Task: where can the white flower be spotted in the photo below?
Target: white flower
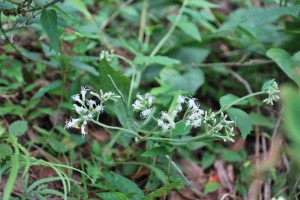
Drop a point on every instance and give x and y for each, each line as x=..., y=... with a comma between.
x=91, y=102
x=76, y=97
x=165, y=127
x=99, y=108
x=150, y=100
x=137, y=105
x=192, y=103
x=160, y=122
x=180, y=99
x=83, y=131
x=79, y=109
x=71, y=123
x=83, y=91
x=146, y=113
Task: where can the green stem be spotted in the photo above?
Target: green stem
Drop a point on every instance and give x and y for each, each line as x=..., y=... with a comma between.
x=116, y=128
x=171, y=30
x=240, y=99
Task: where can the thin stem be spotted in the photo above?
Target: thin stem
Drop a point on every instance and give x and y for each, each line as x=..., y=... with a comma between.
x=230, y=64
x=42, y=7
x=115, y=128
x=171, y=30
x=240, y=99
x=143, y=21
x=114, y=84
x=131, y=89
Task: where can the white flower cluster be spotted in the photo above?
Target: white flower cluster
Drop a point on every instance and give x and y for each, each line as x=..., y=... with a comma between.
x=108, y=55
x=222, y=125
x=87, y=108
x=273, y=93
x=195, y=116
x=143, y=105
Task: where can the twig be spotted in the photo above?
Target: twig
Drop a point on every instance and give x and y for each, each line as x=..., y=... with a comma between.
x=41, y=7
x=241, y=80
x=231, y=64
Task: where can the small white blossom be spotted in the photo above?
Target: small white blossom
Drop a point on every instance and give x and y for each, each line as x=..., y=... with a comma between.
x=91, y=103
x=192, y=103
x=76, y=97
x=137, y=105
x=83, y=131
x=83, y=91
x=160, y=122
x=146, y=113
x=79, y=109
x=71, y=123
x=99, y=108
x=180, y=99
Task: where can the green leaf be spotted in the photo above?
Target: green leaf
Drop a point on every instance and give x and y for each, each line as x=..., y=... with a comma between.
x=202, y=4
x=123, y=185
x=181, y=129
x=190, y=29
x=43, y=90
x=267, y=85
x=6, y=6
x=162, y=60
x=18, y=128
x=241, y=119
x=260, y=120
x=110, y=80
x=156, y=152
x=230, y=156
x=112, y=196
x=211, y=187
x=291, y=99
x=189, y=81
x=49, y=24
x=230, y=98
x=6, y=150
x=207, y=160
x=161, y=191
x=285, y=62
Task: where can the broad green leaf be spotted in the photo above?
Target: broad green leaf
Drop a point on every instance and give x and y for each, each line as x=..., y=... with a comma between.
x=267, y=85
x=7, y=6
x=202, y=4
x=291, y=99
x=18, y=128
x=285, y=62
x=207, y=160
x=112, y=196
x=241, y=119
x=181, y=129
x=43, y=90
x=81, y=6
x=162, y=60
x=211, y=187
x=49, y=24
x=190, y=29
x=230, y=98
x=190, y=54
x=6, y=150
x=156, y=152
x=190, y=80
x=231, y=156
x=161, y=191
x=260, y=120
x=123, y=185
x=110, y=80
